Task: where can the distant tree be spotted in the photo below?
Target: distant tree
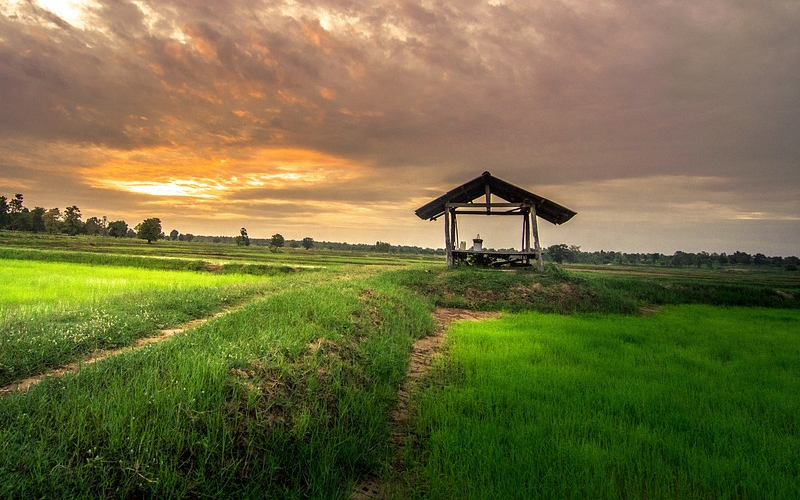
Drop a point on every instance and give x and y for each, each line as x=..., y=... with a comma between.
x=72, y=221
x=52, y=220
x=95, y=227
x=741, y=258
x=308, y=242
x=37, y=219
x=382, y=246
x=131, y=233
x=22, y=221
x=681, y=259
x=173, y=235
x=16, y=205
x=5, y=219
x=294, y=244
x=558, y=253
x=242, y=239
x=277, y=241
x=19, y=217
x=118, y=229
x=149, y=229
x=188, y=237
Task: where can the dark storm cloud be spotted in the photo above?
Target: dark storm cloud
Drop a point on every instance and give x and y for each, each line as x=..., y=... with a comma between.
x=609, y=89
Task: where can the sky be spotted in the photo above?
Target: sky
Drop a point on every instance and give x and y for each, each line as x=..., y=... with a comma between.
x=666, y=125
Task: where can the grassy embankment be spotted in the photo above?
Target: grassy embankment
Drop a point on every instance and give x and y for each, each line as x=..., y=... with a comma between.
x=288, y=397
x=566, y=292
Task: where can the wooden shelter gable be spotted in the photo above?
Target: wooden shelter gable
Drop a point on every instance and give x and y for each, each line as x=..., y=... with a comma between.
x=476, y=188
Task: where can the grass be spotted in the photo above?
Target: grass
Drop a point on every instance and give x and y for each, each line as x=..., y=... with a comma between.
x=43, y=287
x=693, y=402
x=286, y=398
x=567, y=292
x=52, y=312
x=290, y=396
x=186, y=255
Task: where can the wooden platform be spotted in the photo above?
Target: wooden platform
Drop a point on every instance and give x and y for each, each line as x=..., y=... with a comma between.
x=495, y=258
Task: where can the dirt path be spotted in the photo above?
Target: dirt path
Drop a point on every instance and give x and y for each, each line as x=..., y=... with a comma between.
x=25, y=384
x=423, y=352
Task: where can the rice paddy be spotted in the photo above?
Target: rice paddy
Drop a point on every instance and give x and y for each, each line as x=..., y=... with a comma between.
x=574, y=393
x=53, y=312
x=692, y=402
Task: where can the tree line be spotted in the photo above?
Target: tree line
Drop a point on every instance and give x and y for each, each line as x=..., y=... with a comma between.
x=572, y=254
x=15, y=216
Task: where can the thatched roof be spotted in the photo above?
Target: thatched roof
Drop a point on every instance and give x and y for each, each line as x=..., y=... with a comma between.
x=476, y=188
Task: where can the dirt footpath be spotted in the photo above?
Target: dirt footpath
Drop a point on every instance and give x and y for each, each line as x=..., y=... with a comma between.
x=423, y=352
x=25, y=384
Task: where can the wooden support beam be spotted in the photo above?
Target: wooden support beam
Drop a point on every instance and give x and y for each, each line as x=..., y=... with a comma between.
x=447, y=244
x=488, y=200
x=480, y=212
x=525, y=222
x=537, y=248
x=453, y=228
x=493, y=205
x=528, y=233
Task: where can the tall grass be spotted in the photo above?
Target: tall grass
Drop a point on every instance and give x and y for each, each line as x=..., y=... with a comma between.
x=694, y=402
x=286, y=398
x=51, y=313
x=566, y=292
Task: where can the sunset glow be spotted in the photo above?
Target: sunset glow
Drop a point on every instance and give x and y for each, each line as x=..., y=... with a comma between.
x=181, y=173
x=75, y=12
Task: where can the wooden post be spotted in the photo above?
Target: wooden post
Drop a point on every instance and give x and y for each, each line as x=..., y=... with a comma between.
x=528, y=230
x=537, y=248
x=526, y=236
x=524, y=229
x=448, y=248
x=488, y=200
x=453, y=234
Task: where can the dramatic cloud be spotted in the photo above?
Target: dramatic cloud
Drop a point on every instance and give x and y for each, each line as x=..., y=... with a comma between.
x=665, y=125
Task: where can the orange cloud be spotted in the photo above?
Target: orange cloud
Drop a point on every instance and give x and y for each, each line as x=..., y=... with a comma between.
x=185, y=173
x=327, y=93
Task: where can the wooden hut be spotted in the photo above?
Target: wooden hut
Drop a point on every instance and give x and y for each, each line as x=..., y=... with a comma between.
x=517, y=202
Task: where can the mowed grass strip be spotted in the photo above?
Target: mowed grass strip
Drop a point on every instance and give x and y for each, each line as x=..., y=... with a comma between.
x=693, y=402
x=288, y=397
x=51, y=313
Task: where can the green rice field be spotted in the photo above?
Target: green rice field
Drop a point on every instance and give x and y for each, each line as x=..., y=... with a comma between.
x=692, y=402
x=596, y=383
x=53, y=312
x=45, y=287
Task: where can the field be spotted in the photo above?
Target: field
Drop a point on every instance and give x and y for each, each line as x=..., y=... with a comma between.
x=53, y=312
x=596, y=382
x=691, y=402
